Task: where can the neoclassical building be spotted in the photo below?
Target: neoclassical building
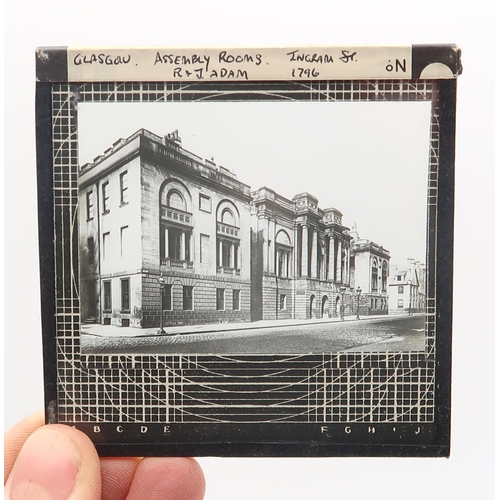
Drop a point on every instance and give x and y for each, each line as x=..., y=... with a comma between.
x=370, y=271
x=154, y=217
x=300, y=258
x=165, y=235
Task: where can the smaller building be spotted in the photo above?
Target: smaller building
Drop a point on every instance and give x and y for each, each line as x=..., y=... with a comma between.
x=369, y=275
x=407, y=288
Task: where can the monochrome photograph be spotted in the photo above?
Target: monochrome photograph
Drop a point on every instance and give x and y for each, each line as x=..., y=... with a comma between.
x=253, y=227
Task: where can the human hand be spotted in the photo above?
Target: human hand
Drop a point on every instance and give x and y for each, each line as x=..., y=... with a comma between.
x=58, y=462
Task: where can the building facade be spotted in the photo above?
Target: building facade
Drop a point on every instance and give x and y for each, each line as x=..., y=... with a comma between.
x=407, y=288
x=167, y=237
x=155, y=217
x=370, y=265
x=300, y=258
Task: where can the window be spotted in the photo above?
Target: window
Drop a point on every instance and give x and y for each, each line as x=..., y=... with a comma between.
x=401, y=289
x=176, y=200
x=187, y=298
x=123, y=240
x=282, y=302
x=105, y=245
x=204, y=249
x=90, y=205
x=384, y=276
x=399, y=278
x=228, y=238
x=125, y=285
x=91, y=249
x=205, y=203
x=226, y=254
x=174, y=243
x=283, y=259
x=105, y=198
x=228, y=217
x=167, y=298
x=374, y=275
x=107, y=296
x=400, y=303
x=236, y=300
x=220, y=299
x=124, y=188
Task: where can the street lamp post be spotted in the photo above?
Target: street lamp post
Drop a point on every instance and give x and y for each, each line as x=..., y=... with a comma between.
x=161, y=281
x=358, y=292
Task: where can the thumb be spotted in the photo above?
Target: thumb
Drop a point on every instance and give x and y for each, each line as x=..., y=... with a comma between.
x=56, y=462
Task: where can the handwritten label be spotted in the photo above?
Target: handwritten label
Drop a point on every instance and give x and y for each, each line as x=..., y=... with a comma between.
x=293, y=63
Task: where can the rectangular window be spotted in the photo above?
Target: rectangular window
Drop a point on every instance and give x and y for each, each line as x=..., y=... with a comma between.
x=187, y=298
x=91, y=249
x=204, y=249
x=167, y=298
x=174, y=243
x=124, y=188
x=282, y=302
x=226, y=254
x=90, y=205
x=398, y=278
x=123, y=240
x=400, y=289
x=220, y=299
x=107, y=296
x=105, y=245
x=205, y=203
x=236, y=300
x=105, y=198
x=400, y=303
x=125, y=284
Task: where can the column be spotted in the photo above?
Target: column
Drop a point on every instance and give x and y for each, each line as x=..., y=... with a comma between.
x=314, y=254
x=231, y=255
x=338, y=275
x=165, y=246
x=183, y=245
x=348, y=279
x=331, y=258
x=343, y=263
x=304, y=258
x=295, y=260
x=235, y=255
x=265, y=243
x=220, y=253
x=272, y=247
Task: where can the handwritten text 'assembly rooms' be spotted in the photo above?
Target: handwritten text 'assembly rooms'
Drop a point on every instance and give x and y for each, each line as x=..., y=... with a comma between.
x=223, y=64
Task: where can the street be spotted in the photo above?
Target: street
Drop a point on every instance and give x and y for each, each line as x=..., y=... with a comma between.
x=389, y=333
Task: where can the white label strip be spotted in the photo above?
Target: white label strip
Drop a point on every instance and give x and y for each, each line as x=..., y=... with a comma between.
x=86, y=64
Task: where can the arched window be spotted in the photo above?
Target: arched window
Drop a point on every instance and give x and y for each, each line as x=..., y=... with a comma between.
x=283, y=254
x=228, y=217
x=228, y=238
x=374, y=275
x=176, y=200
x=176, y=225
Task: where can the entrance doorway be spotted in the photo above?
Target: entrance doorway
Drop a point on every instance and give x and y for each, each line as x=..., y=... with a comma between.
x=312, y=307
x=324, y=307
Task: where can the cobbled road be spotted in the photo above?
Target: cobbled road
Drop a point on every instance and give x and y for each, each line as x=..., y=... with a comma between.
x=388, y=334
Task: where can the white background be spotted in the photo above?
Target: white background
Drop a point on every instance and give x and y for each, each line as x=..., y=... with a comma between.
x=469, y=471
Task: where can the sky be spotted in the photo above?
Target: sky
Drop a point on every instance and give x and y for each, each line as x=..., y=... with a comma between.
x=368, y=160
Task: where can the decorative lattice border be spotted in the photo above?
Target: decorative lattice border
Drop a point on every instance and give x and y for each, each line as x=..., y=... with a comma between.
x=354, y=387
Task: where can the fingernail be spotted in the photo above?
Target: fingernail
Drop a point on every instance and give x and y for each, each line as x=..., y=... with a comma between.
x=46, y=468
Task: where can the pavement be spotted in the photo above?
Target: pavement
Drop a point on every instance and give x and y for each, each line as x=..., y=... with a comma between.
x=117, y=331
